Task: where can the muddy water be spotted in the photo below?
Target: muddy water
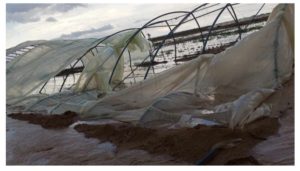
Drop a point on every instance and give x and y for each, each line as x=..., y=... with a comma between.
x=113, y=143
x=30, y=144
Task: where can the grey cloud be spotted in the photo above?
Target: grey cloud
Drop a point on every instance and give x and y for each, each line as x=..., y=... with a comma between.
x=51, y=19
x=78, y=34
x=25, y=13
x=141, y=20
x=19, y=8
x=22, y=18
x=65, y=7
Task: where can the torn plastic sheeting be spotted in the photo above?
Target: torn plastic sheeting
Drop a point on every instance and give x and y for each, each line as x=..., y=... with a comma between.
x=239, y=78
x=51, y=57
x=244, y=109
x=23, y=80
x=243, y=70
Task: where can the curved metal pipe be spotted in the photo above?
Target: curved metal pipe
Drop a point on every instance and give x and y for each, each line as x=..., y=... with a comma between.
x=153, y=22
x=175, y=46
x=131, y=38
x=171, y=32
x=212, y=26
x=234, y=16
x=202, y=38
x=150, y=25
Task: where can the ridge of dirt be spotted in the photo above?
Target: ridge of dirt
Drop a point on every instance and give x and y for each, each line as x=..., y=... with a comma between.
x=48, y=121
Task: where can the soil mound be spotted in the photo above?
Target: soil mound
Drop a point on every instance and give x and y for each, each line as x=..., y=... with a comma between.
x=47, y=121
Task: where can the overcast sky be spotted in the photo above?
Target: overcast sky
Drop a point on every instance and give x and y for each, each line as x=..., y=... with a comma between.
x=73, y=21
x=49, y=21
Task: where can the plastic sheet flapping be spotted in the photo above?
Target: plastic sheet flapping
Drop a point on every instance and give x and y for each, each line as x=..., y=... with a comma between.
x=227, y=88
x=29, y=71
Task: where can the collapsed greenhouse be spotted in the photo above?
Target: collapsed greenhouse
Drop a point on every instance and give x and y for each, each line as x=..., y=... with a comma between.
x=228, y=88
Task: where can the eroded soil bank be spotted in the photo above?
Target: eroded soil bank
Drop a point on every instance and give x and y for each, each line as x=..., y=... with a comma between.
x=186, y=144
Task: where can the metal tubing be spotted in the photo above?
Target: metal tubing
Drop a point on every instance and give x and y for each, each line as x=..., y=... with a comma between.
x=212, y=26
x=175, y=48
